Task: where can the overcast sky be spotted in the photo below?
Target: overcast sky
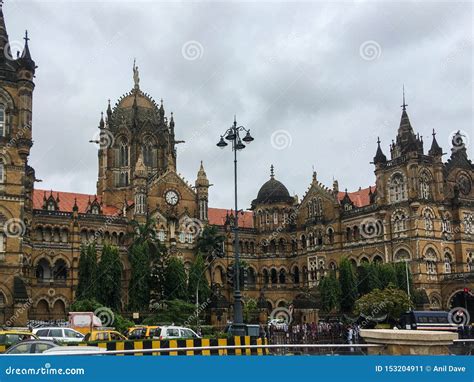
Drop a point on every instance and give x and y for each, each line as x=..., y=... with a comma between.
x=315, y=82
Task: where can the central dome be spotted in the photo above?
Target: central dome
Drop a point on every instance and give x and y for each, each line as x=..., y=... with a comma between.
x=272, y=191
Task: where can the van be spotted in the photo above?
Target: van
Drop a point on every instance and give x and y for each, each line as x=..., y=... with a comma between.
x=59, y=334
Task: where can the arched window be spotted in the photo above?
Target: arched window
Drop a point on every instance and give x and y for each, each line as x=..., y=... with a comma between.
x=398, y=188
x=424, y=185
x=470, y=262
x=430, y=260
x=303, y=241
x=60, y=270
x=266, y=276
x=282, y=276
x=401, y=255
x=319, y=207
x=251, y=277
x=2, y=171
x=148, y=155
x=2, y=121
x=348, y=234
x=447, y=263
x=428, y=218
x=296, y=275
x=399, y=220
x=123, y=154
x=274, y=276
x=3, y=300
x=331, y=235
x=123, y=179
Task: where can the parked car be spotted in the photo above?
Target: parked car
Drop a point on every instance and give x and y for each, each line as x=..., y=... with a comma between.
x=71, y=350
x=173, y=332
x=59, y=334
x=143, y=332
x=12, y=337
x=31, y=347
x=104, y=335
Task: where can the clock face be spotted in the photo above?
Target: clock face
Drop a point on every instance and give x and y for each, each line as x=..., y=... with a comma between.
x=171, y=197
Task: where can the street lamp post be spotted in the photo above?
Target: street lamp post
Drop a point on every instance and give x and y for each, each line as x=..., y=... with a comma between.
x=232, y=134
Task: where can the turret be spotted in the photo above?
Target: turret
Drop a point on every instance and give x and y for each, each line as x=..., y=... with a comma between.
x=435, y=150
x=202, y=191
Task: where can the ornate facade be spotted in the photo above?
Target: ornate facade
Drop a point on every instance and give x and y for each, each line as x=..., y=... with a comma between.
x=420, y=210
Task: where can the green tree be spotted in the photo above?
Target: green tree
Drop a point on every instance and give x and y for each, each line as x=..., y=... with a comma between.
x=390, y=301
x=148, y=259
x=347, y=281
x=401, y=269
x=251, y=312
x=86, y=287
x=109, y=272
x=387, y=275
x=176, y=312
x=330, y=293
x=175, y=276
x=139, y=284
x=197, y=280
x=209, y=243
x=368, y=278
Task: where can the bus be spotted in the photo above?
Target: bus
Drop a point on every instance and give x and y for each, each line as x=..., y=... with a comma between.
x=427, y=320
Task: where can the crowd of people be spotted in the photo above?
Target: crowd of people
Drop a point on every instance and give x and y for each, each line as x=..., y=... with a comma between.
x=333, y=332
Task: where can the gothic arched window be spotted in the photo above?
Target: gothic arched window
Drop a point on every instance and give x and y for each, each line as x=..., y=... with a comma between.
x=399, y=220
x=424, y=184
x=398, y=188
x=430, y=260
x=123, y=155
x=2, y=121
x=447, y=263
x=428, y=218
x=2, y=171
x=148, y=155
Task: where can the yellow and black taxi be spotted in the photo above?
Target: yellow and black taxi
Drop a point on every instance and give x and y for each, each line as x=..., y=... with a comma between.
x=12, y=337
x=104, y=335
x=143, y=332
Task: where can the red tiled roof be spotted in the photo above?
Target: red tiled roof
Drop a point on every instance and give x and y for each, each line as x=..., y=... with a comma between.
x=66, y=201
x=217, y=216
x=359, y=198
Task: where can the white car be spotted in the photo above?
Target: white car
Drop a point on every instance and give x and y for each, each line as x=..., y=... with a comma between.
x=77, y=350
x=173, y=332
x=59, y=334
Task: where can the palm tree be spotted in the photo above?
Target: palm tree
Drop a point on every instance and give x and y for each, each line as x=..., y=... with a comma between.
x=210, y=243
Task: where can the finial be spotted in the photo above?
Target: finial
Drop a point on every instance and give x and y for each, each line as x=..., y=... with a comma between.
x=272, y=174
x=136, y=75
x=433, y=133
x=378, y=141
x=404, y=106
x=26, y=38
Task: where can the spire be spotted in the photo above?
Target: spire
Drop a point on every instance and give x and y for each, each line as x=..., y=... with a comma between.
x=101, y=122
x=379, y=155
x=4, y=43
x=162, y=110
x=75, y=208
x=172, y=121
x=404, y=106
x=272, y=174
x=435, y=150
x=202, y=177
x=109, y=111
x=25, y=59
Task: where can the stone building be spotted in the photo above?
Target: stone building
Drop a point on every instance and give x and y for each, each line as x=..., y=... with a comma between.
x=420, y=210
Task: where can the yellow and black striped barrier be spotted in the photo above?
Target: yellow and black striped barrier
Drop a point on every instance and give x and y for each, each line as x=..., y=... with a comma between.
x=3, y=348
x=242, y=341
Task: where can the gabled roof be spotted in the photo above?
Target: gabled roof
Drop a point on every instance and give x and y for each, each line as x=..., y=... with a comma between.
x=217, y=216
x=360, y=198
x=67, y=200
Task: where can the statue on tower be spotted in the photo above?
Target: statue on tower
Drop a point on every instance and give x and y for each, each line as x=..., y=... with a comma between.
x=136, y=76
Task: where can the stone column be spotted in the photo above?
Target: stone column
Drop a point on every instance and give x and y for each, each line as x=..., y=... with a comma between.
x=408, y=342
